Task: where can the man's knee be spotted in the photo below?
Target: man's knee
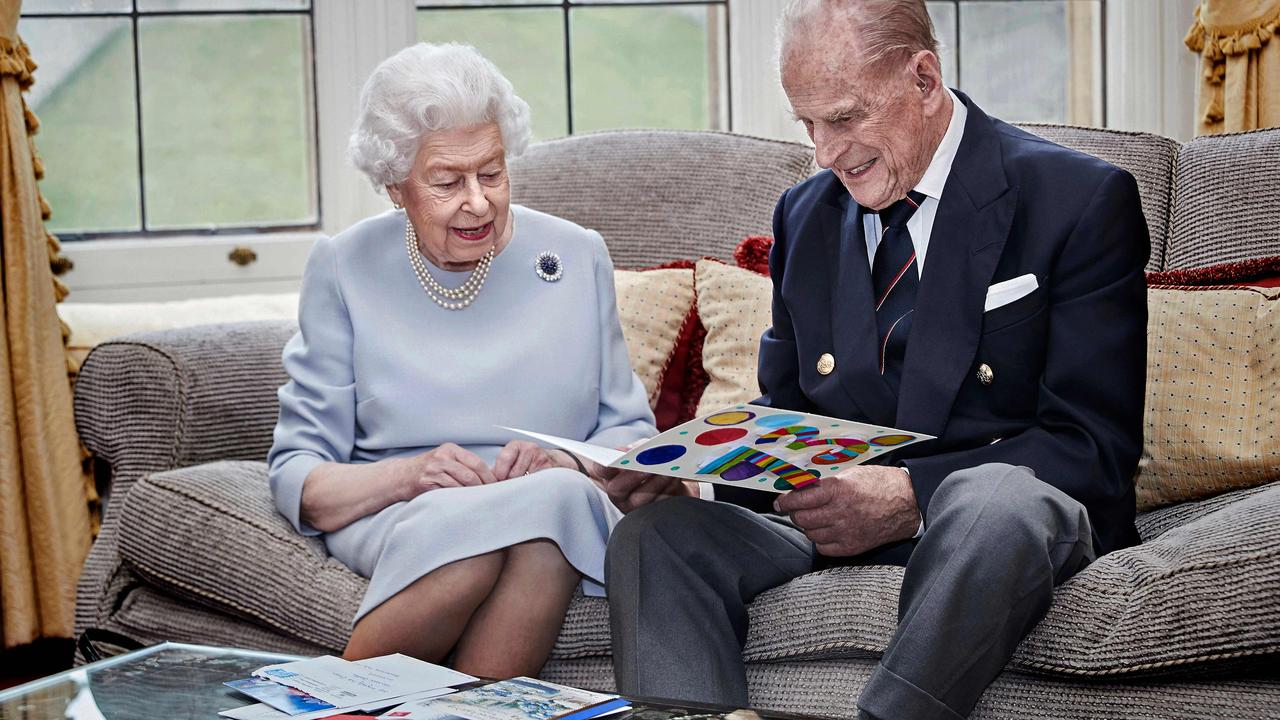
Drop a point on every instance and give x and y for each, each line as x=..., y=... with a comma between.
x=659, y=527
x=1006, y=497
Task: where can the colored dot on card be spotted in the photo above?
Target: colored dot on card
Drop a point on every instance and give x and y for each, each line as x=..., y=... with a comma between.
x=891, y=440
x=729, y=418
x=777, y=421
x=834, y=468
x=684, y=432
x=661, y=455
x=674, y=468
x=720, y=435
x=625, y=462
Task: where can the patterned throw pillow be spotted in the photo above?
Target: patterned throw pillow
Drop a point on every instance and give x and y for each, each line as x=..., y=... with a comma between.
x=735, y=307
x=1213, y=393
x=653, y=306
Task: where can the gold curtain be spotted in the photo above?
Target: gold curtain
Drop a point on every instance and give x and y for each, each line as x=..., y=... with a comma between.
x=44, y=517
x=1240, y=58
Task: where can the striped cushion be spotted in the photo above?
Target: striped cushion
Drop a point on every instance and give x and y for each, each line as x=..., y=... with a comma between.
x=1226, y=203
x=661, y=195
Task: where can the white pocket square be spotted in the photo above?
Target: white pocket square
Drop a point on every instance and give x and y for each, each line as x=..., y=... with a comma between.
x=1003, y=293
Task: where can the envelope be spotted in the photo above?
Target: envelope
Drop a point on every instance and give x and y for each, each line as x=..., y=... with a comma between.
x=1003, y=293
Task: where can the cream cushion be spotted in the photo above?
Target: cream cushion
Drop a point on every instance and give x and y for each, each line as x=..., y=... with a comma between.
x=92, y=323
x=1213, y=393
x=735, y=307
x=652, y=306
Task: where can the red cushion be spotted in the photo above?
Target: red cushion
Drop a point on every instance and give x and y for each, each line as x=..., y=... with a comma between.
x=1259, y=272
x=753, y=254
x=680, y=376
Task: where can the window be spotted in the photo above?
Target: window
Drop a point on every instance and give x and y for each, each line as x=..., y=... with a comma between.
x=586, y=66
x=1026, y=60
x=190, y=127
x=191, y=116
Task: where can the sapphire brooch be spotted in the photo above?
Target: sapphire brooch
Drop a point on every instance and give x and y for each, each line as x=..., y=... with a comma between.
x=548, y=266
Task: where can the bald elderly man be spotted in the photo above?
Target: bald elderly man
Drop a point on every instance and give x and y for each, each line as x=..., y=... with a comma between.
x=951, y=275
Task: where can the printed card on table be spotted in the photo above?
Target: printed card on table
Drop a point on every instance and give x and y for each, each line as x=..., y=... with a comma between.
x=754, y=447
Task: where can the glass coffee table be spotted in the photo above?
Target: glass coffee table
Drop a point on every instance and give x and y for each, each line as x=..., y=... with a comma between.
x=175, y=681
x=169, y=680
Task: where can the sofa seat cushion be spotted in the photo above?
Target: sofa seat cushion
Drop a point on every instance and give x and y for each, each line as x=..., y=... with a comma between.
x=211, y=534
x=1200, y=592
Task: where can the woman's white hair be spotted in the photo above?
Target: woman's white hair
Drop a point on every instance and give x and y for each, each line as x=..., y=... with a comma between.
x=425, y=88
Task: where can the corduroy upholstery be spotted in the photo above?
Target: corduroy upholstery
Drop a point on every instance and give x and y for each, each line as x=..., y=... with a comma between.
x=1166, y=607
x=1225, y=200
x=192, y=549
x=658, y=196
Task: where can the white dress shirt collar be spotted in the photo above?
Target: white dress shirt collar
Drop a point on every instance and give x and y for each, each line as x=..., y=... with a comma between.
x=935, y=177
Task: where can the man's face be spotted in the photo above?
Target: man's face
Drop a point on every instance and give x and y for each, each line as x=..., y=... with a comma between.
x=868, y=127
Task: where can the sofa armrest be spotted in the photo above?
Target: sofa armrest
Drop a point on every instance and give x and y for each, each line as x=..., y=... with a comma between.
x=156, y=401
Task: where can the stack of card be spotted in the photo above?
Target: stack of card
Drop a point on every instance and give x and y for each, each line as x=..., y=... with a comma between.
x=327, y=686
x=520, y=698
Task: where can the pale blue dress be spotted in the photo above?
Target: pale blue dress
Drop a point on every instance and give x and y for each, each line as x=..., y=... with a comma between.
x=378, y=370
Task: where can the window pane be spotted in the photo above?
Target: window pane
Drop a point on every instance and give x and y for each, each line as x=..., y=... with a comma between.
x=943, y=15
x=1032, y=61
x=647, y=67
x=526, y=44
x=83, y=95
x=435, y=3
x=226, y=122
x=74, y=6
x=220, y=5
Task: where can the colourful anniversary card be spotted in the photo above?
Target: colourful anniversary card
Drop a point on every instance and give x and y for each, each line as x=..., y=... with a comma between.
x=752, y=446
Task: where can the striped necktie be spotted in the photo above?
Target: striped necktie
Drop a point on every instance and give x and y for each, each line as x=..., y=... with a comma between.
x=895, y=280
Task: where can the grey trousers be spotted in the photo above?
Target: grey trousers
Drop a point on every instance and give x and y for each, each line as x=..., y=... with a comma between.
x=997, y=541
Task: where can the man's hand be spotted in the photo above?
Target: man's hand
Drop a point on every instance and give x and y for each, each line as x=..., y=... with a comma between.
x=629, y=489
x=859, y=509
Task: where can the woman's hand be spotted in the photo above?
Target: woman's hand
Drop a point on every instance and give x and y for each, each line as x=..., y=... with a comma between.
x=447, y=465
x=522, y=457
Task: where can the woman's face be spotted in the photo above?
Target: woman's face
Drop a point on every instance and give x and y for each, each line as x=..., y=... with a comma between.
x=458, y=196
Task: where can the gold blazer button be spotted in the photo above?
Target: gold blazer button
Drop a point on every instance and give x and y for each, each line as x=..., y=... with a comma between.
x=985, y=374
x=826, y=363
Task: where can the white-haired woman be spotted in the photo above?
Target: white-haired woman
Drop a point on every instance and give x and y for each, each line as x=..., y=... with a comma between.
x=424, y=329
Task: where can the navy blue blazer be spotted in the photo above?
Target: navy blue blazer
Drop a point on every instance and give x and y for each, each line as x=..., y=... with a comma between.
x=1068, y=361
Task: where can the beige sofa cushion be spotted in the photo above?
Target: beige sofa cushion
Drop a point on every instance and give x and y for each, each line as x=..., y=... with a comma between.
x=652, y=307
x=1199, y=592
x=92, y=323
x=1213, y=393
x=735, y=307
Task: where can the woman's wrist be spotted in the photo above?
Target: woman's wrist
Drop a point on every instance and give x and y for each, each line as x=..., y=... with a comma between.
x=575, y=463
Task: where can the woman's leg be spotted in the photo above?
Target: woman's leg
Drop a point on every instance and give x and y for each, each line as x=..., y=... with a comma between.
x=513, y=631
x=426, y=619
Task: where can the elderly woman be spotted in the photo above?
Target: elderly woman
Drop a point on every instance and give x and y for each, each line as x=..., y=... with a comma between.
x=424, y=329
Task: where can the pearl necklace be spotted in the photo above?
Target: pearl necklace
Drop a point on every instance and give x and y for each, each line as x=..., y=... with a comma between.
x=455, y=299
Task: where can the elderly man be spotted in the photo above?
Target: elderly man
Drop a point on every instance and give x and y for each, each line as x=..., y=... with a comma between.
x=949, y=275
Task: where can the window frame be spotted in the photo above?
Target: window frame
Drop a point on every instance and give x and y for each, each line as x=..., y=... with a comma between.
x=351, y=38
x=134, y=15
x=566, y=6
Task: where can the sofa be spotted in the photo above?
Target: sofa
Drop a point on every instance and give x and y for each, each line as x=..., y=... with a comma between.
x=1187, y=624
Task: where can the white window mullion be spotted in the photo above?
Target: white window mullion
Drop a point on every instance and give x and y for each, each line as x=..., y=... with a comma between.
x=1151, y=76
x=351, y=39
x=759, y=106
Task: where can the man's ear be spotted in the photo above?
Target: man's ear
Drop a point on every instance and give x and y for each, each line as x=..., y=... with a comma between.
x=926, y=73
